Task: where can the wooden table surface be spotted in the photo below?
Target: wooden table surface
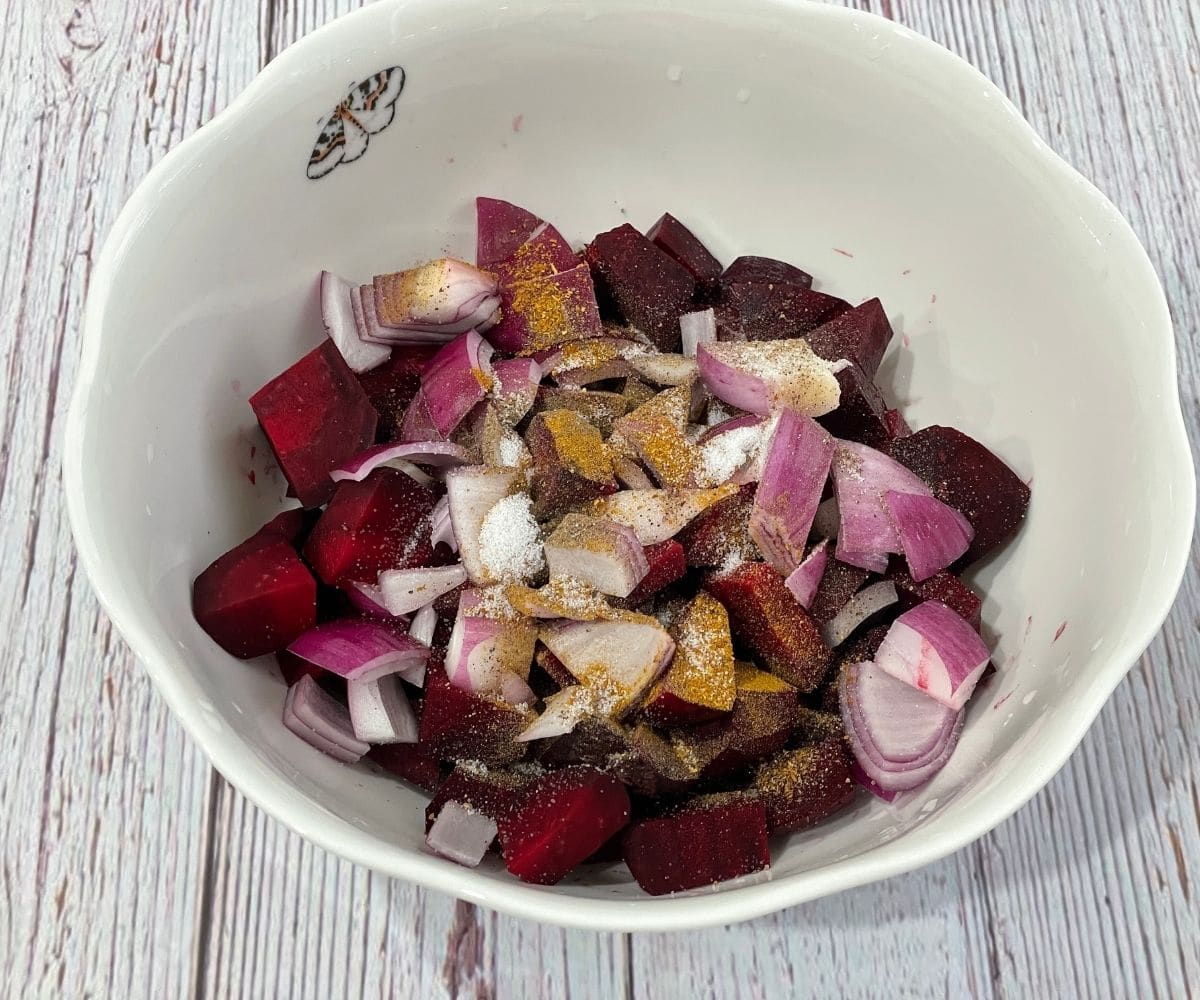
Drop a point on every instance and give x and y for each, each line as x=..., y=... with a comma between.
x=131, y=870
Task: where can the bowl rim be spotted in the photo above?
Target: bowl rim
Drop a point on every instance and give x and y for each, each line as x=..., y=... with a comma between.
x=722, y=905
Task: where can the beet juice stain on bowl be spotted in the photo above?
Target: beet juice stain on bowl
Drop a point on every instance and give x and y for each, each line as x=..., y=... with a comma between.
x=619, y=552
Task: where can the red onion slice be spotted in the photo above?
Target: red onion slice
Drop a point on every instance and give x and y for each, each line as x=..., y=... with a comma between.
x=517, y=381
x=438, y=454
x=696, y=328
x=366, y=597
x=932, y=534
x=380, y=711
x=631, y=475
x=797, y=464
x=562, y=712
x=423, y=625
x=340, y=314
x=935, y=651
x=664, y=369
x=455, y=379
x=472, y=491
x=482, y=650
x=618, y=660
x=443, y=296
x=805, y=579
x=826, y=520
x=900, y=737
x=418, y=427
x=867, y=602
x=656, y=515
x=732, y=451
x=460, y=834
x=321, y=720
x=356, y=649
x=406, y=590
x=763, y=375
x=441, y=531
x=374, y=332
x=861, y=477
x=598, y=552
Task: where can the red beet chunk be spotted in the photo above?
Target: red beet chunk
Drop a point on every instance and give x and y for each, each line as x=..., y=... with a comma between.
x=861, y=412
x=766, y=270
x=492, y=792
x=802, y=787
x=500, y=227
x=571, y=466
x=638, y=757
x=968, y=477
x=462, y=725
x=294, y=524
x=667, y=564
x=766, y=618
x=392, y=386
x=674, y=238
x=553, y=668
x=861, y=335
x=779, y=311
x=257, y=597
x=815, y=725
x=410, y=761
x=721, y=534
x=711, y=840
x=642, y=286
x=564, y=817
x=380, y=523
x=840, y=582
x=670, y=711
x=540, y=256
x=315, y=416
x=944, y=587
x=897, y=426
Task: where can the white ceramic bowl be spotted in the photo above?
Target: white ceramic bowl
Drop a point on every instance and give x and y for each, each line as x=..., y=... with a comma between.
x=1031, y=318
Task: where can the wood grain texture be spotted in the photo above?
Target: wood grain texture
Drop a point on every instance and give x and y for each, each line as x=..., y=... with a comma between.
x=128, y=869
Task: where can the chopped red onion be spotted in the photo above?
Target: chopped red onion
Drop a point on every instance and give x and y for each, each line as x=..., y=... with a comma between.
x=618, y=660
x=482, y=650
x=763, y=375
x=561, y=713
x=900, y=737
x=418, y=427
x=339, y=313
x=424, y=624
x=366, y=597
x=321, y=721
x=472, y=491
x=861, y=477
x=514, y=690
x=932, y=534
x=438, y=454
x=867, y=602
x=794, y=472
x=455, y=379
x=805, y=579
x=374, y=332
x=358, y=648
x=732, y=451
x=441, y=530
x=664, y=369
x=631, y=475
x=380, y=712
x=443, y=296
x=598, y=552
x=580, y=363
x=406, y=590
x=656, y=515
x=460, y=834
x=696, y=328
x=517, y=381
x=935, y=651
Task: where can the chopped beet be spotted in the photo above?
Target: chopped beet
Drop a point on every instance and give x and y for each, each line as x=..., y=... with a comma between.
x=594, y=739
x=711, y=840
x=944, y=587
x=493, y=792
x=897, y=426
x=293, y=668
x=571, y=466
x=721, y=534
x=546, y=252
x=839, y=583
x=257, y=597
x=779, y=312
x=815, y=725
x=500, y=227
x=767, y=619
x=315, y=416
x=292, y=524
x=701, y=682
x=564, y=817
x=861, y=411
x=668, y=710
x=410, y=761
x=968, y=477
x=860, y=335
x=646, y=288
x=542, y=313
x=380, y=523
x=674, y=238
x=462, y=725
x=667, y=564
x=553, y=668
x=766, y=270
x=802, y=787
x=392, y=386
x=598, y=407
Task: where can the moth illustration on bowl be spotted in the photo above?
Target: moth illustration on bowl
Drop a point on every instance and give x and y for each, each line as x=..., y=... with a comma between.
x=367, y=110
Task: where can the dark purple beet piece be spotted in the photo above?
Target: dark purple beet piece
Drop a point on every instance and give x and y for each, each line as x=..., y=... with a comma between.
x=494, y=793
x=646, y=288
x=944, y=587
x=257, y=597
x=897, y=426
x=721, y=533
x=462, y=725
x=410, y=761
x=968, y=477
x=779, y=312
x=673, y=237
x=802, y=787
x=860, y=415
x=380, y=523
x=860, y=335
x=839, y=583
x=767, y=270
x=500, y=227
x=315, y=416
x=392, y=386
x=667, y=564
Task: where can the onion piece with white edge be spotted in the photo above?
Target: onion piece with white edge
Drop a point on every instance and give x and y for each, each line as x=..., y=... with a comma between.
x=441, y=531
x=356, y=648
x=731, y=450
x=366, y=597
x=455, y=379
x=341, y=323
x=618, y=660
x=516, y=388
x=562, y=712
x=461, y=834
x=867, y=602
x=471, y=492
x=804, y=581
x=406, y=590
x=759, y=376
x=630, y=474
x=664, y=369
x=696, y=328
x=656, y=515
x=380, y=711
x=599, y=552
x=932, y=534
x=423, y=625
x=443, y=296
x=374, y=332
x=321, y=721
x=438, y=454
x=483, y=649
x=797, y=464
x=900, y=737
x=936, y=651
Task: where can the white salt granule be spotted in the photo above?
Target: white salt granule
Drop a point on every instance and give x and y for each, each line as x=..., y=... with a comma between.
x=723, y=454
x=510, y=543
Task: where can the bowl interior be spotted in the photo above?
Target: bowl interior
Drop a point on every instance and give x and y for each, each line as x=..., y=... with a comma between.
x=838, y=142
